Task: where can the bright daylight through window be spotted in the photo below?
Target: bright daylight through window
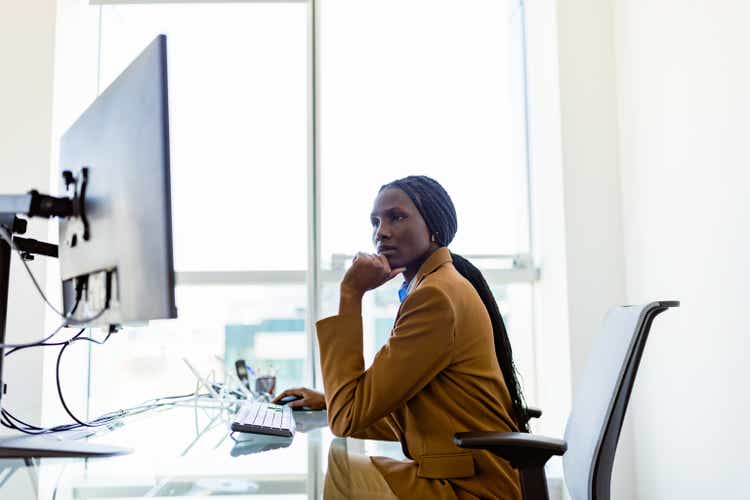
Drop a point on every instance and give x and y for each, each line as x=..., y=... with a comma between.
x=387, y=103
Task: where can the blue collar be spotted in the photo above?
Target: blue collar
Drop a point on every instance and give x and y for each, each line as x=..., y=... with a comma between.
x=403, y=291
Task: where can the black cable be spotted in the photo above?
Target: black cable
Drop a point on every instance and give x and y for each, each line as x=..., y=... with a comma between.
x=9, y=420
x=36, y=342
x=102, y=420
x=27, y=429
x=105, y=419
x=57, y=377
x=69, y=320
x=31, y=429
x=8, y=237
x=48, y=337
x=77, y=322
x=11, y=417
x=43, y=344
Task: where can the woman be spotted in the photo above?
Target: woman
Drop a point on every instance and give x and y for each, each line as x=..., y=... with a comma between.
x=438, y=374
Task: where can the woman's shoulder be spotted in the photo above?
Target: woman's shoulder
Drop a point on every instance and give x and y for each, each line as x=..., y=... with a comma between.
x=449, y=281
x=447, y=274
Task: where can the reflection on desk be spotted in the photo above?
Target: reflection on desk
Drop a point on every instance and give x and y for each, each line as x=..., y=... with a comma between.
x=247, y=444
x=189, y=452
x=310, y=420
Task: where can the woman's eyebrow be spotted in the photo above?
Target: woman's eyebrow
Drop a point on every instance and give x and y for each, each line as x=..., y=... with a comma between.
x=389, y=210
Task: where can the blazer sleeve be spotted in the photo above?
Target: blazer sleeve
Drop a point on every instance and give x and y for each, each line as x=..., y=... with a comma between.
x=419, y=347
x=379, y=430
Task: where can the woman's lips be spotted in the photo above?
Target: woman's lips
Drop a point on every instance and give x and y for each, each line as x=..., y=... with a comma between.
x=387, y=250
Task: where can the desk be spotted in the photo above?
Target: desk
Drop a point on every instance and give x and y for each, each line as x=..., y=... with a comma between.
x=188, y=452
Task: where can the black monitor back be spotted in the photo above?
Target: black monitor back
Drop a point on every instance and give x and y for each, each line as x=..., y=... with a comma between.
x=125, y=258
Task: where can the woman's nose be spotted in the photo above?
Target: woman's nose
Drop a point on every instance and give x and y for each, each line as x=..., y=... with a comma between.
x=382, y=232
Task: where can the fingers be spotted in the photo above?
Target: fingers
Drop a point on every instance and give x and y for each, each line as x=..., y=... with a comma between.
x=369, y=271
x=390, y=273
x=297, y=391
x=310, y=399
x=384, y=262
x=360, y=256
x=381, y=261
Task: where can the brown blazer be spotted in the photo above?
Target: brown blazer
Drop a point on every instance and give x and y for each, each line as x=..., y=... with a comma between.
x=437, y=375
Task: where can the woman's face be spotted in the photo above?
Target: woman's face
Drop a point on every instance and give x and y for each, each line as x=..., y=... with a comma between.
x=398, y=230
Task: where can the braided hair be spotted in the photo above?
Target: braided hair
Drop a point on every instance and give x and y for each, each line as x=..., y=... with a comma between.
x=438, y=212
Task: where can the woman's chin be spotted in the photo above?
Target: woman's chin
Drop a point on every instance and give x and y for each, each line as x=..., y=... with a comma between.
x=394, y=259
x=395, y=262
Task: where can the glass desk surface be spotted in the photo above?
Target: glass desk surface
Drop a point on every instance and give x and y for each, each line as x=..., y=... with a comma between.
x=190, y=452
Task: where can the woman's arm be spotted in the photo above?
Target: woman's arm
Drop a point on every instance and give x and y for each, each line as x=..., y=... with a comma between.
x=380, y=430
x=419, y=348
x=315, y=400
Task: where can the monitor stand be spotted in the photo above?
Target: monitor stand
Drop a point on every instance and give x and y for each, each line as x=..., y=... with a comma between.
x=43, y=445
x=49, y=446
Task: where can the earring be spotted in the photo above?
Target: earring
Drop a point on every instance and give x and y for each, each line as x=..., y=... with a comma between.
x=433, y=238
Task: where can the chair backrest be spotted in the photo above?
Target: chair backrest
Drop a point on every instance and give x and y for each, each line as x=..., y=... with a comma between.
x=602, y=397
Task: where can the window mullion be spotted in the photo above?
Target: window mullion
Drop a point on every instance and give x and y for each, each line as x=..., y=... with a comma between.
x=313, y=183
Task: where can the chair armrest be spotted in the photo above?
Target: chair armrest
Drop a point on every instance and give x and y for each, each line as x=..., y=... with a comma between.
x=519, y=448
x=532, y=412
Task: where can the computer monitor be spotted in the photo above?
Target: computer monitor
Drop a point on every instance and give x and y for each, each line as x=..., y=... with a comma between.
x=120, y=148
x=115, y=246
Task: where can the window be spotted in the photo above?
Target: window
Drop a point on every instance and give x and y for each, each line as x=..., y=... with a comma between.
x=432, y=97
x=279, y=147
x=238, y=94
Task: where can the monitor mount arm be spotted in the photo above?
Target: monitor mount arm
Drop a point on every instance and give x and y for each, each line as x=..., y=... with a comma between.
x=35, y=204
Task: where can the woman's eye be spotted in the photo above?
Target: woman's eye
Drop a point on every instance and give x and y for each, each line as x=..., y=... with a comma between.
x=398, y=217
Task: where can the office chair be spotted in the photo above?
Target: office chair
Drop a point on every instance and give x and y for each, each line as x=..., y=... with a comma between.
x=595, y=421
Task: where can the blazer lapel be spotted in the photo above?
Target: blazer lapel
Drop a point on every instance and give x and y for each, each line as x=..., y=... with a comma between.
x=433, y=262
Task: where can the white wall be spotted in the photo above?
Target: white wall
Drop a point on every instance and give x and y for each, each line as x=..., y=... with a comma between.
x=684, y=105
x=577, y=192
x=591, y=187
x=27, y=32
x=592, y=190
x=551, y=323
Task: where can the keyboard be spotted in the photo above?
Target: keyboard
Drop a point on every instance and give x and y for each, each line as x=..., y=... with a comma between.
x=264, y=418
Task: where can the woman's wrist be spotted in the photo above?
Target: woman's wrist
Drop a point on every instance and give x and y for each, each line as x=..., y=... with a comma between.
x=350, y=301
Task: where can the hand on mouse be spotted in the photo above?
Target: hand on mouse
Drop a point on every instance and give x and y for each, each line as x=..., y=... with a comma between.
x=310, y=399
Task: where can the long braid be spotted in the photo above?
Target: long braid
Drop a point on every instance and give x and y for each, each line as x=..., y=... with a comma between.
x=438, y=212
x=503, y=349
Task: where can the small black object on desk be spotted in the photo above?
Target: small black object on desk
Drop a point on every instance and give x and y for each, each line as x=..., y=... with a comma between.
x=289, y=399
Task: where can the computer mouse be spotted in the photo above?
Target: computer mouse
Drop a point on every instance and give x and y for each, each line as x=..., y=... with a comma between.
x=288, y=399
